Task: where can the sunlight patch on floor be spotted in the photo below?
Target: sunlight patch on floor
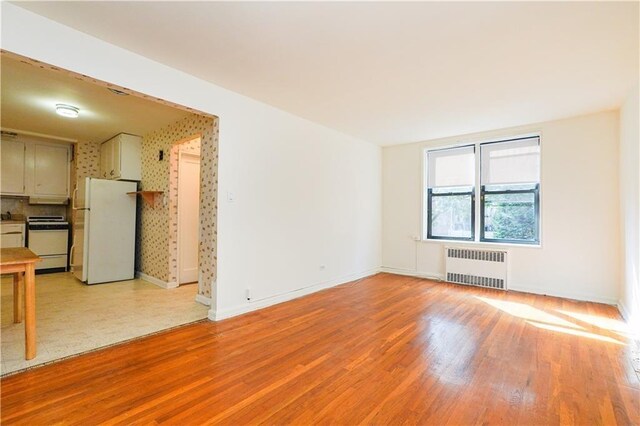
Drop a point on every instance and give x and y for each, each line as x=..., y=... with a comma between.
x=605, y=323
x=575, y=332
x=526, y=312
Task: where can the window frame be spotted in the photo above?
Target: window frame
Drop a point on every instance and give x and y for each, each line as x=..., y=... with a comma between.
x=478, y=207
x=430, y=196
x=536, y=200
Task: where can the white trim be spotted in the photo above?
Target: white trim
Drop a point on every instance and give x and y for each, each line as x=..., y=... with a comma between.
x=200, y=298
x=515, y=288
x=564, y=295
x=410, y=273
x=215, y=315
x=211, y=315
x=624, y=312
x=489, y=245
x=181, y=153
x=154, y=280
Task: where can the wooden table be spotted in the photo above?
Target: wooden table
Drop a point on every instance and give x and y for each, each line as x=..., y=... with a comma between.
x=19, y=261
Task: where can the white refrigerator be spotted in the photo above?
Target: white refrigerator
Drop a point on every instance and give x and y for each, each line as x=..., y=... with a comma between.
x=104, y=230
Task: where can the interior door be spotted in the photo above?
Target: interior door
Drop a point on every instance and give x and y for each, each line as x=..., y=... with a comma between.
x=51, y=170
x=188, y=217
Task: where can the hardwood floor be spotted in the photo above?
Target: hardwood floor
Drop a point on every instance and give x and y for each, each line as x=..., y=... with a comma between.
x=384, y=350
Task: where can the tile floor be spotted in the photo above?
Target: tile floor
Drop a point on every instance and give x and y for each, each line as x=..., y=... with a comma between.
x=73, y=317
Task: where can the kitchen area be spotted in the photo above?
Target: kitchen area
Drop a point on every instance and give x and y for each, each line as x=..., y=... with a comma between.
x=72, y=191
x=34, y=184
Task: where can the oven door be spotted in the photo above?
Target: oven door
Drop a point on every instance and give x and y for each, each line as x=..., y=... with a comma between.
x=47, y=242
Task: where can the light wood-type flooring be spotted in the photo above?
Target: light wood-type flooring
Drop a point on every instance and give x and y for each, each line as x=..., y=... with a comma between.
x=383, y=350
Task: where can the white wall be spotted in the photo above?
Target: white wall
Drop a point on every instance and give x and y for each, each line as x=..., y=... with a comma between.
x=305, y=195
x=630, y=209
x=579, y=257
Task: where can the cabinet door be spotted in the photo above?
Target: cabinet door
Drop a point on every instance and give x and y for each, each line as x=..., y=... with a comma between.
x=11, y=240
x=12, y=167
x=105, y=159
x=130, y=157
x=116, y=155
x=51, y=170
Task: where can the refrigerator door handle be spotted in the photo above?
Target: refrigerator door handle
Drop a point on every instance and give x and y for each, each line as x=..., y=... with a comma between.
x=71, y=250
x=73, y=199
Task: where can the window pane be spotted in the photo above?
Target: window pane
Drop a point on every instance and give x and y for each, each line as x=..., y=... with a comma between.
x=516, y=161
x=451, y=167
x=510, y=217
x=455, y=189
x=451, y=216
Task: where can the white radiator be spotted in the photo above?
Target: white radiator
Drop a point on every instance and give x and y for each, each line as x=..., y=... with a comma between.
x=479, y=267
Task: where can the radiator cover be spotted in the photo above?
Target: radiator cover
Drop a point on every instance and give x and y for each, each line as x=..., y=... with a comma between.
x=478, y=267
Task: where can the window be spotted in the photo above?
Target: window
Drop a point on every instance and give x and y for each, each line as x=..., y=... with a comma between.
x=510, y=191
x=450, y=193
x=506, y=197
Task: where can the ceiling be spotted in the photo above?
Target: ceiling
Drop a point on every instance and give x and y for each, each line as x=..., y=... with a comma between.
x=30, y=93
x=387, y=72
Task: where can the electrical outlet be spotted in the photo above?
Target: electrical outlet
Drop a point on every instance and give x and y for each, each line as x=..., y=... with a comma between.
x=230, y=196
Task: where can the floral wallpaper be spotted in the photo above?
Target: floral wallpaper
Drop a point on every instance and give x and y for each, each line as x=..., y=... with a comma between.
x=157, y=224
x=87, y=161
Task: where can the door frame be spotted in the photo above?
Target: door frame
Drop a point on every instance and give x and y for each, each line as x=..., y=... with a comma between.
x=182, y=153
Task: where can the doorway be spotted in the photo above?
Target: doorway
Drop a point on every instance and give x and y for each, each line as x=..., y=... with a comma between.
x=188, y=216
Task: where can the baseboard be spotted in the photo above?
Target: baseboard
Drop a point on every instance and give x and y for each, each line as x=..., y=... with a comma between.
x=154, y=280
x=513, y=287
x=215, y=315
x=203, y=299
x=412, y=273
x=624, y=312
x=563, y=294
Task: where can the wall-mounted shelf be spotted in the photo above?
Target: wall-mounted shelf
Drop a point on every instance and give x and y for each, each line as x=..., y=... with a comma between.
x=148, y=196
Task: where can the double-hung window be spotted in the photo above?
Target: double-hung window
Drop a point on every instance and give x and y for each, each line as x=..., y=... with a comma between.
x=451, y=194
x=495, y=184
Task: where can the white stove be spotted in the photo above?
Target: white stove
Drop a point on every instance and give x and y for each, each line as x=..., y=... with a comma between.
x=48, y=237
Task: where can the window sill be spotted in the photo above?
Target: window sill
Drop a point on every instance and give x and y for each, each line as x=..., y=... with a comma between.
x=481, y=243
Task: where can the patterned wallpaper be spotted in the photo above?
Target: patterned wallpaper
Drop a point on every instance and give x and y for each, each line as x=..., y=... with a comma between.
x=87, y=159
x=157, y=226
x=86, y=163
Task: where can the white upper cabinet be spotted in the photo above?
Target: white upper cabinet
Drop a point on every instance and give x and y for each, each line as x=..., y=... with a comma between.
x=50, y=170
x=33, y=168
x=121, y=158
x=12, y=167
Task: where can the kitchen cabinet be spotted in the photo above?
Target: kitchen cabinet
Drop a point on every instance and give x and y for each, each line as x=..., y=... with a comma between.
x=50, y=170
x=12, y=167
x=35, y=169
x=12, y=235
x=121, y=158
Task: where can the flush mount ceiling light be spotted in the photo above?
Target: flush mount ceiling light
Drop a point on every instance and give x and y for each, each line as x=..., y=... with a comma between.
x=67, y=110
